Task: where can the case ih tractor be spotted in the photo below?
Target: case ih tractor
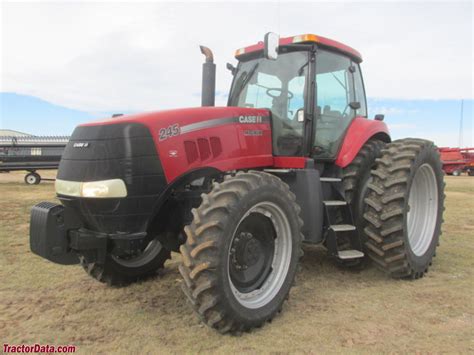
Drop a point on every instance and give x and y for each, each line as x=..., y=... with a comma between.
x=236, y=190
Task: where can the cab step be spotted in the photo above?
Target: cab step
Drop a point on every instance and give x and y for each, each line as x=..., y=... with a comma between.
x=342, y=238
x=342, y=227
x=335, y=203
x=330, y=179
x=350, y=254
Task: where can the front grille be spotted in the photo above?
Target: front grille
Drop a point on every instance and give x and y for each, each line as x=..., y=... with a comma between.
x=125, y=151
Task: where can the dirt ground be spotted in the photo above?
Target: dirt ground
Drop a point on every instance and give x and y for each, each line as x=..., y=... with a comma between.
x=330, y=310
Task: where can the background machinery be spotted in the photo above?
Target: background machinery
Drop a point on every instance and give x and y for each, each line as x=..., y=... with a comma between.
x=457, y=160
x=31, y=153
x=236, y=190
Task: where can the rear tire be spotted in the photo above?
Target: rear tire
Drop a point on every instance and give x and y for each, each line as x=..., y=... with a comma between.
x=356, y=177
x=117, y=272
x=242, y=251
x=404, y=208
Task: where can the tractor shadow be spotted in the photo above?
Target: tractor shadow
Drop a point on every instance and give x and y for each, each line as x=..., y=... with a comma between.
x=162, y=293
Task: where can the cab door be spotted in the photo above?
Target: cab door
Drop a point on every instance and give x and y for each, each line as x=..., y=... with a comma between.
x=339, y=98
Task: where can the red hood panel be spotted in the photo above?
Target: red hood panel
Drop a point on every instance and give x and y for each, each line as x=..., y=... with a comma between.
x=224, y=138
x=182, y=116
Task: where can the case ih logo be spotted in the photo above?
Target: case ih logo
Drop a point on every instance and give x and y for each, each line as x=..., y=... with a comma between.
x=81, y=145
x=250, y=119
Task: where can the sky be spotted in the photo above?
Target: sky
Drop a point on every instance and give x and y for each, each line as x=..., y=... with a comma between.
x=67, y=63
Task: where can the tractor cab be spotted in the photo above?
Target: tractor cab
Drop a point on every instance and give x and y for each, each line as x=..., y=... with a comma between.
x=313, y=88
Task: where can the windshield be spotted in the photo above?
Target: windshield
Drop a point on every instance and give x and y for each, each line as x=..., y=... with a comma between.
x=280, y=86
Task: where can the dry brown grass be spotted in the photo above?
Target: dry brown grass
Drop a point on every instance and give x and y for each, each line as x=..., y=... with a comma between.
x=330, y=310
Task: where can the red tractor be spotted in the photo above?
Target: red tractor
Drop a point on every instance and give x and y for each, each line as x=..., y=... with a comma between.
x=236, y=190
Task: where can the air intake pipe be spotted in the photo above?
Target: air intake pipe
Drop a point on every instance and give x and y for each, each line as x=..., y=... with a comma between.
x=208, y=78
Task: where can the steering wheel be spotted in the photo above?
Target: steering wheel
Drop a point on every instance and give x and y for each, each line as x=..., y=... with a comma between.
x=269, y=90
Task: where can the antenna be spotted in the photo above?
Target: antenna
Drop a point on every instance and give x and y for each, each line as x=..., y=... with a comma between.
x=279, y=15
x=460, y=125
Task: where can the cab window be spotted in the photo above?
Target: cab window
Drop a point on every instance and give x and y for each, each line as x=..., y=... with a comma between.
x=279, y=86
x=334, y=94
x=359, y=91
x=257, y=95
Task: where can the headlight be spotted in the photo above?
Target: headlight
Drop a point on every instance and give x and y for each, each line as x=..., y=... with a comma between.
x=114, y=188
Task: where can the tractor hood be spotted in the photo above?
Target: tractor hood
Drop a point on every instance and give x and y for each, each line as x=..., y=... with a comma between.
x=119, y=166
x=171, y=135
x=183, y=117
x=196, y=137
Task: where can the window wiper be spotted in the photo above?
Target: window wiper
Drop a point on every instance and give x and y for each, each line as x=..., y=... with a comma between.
x=244, y=82
x=300, y=70
x=339, y=81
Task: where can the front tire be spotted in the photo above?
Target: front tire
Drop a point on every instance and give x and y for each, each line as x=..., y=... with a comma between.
x=404, y=208
x=242, y=251
x=117, y=271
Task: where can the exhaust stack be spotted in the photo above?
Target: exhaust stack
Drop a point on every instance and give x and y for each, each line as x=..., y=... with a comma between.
x=208, y=78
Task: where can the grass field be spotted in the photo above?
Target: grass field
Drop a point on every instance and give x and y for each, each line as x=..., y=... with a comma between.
x=330, y=309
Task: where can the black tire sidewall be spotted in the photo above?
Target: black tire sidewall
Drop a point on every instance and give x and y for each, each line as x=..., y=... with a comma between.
x=360, y=194
x=114, y=267
x=428, y=155
x=275, y=195
x=363, y=178
x=117, y=274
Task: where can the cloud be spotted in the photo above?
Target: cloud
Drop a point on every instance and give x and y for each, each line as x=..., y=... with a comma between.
x=144, y=56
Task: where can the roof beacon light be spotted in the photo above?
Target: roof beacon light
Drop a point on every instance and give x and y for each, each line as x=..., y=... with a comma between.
x=305, y=38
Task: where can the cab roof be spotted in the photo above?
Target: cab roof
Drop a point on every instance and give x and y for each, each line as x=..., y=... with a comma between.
x=304, y=38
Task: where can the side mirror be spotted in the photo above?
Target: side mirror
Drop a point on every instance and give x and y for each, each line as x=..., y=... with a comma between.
x=379, y=117
x=271, y=43
x=231, y=68
x=300, y=115
x=355, y=105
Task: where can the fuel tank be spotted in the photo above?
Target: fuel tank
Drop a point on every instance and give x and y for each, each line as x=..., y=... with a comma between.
x=150, y=151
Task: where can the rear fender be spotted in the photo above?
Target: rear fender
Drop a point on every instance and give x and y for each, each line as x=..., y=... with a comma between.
x=359, y=132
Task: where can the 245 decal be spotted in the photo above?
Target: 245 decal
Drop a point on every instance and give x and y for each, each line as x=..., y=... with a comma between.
x=169, y=132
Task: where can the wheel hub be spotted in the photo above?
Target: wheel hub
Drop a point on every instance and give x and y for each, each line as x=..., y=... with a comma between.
x=251, y=252
x=259, y=255
x=246, y=251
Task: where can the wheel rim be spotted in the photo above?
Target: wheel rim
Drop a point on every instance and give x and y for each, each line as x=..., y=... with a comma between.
x=31, y=179
x=146, y=256
x=423, y=209
x=266, y=261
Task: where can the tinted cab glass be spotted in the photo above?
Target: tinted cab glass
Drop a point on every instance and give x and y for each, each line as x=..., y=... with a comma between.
x=335, y=90
x=280, y=86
